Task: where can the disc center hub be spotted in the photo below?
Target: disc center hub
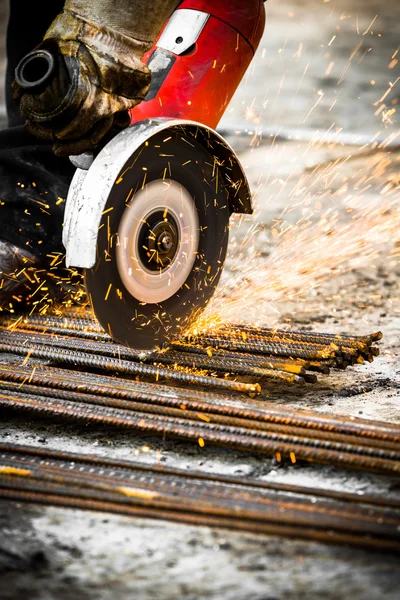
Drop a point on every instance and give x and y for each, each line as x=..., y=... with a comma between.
x=166, y=238
x=158, y=241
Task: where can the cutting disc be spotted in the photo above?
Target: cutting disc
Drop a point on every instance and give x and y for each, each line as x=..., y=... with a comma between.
x=161, y=244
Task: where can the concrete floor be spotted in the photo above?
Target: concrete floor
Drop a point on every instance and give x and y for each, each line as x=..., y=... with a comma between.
x=321, y=252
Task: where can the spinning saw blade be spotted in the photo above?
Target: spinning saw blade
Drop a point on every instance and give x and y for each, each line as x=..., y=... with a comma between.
x=161, y=244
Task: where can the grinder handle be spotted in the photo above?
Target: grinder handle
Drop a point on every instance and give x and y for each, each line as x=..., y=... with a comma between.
x=35, y=70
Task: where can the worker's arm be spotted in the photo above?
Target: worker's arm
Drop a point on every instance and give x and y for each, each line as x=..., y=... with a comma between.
x=99, y=74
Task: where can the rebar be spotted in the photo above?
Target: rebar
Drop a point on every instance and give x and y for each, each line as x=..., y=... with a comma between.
x=240, y=366
x=235, y=351
x=123, y=366
x=205, y=403
x=322, y=450
x=187, y=413
x=75, y=332
x=31, y=454
x=311, y=352
x=294, y=346
x=263, y=331
x=292, y=365
x=76, y=323
x=95, y=482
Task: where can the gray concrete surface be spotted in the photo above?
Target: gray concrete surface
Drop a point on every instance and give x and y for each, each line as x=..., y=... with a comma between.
x=322, y=252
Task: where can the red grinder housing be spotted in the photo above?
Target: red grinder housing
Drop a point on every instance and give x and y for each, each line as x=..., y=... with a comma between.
x=198, y=83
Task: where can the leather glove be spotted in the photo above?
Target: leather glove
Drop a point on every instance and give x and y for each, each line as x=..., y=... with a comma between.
x=98, y=76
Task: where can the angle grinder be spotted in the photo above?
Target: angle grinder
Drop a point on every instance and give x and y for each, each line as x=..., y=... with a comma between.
x=148, y=217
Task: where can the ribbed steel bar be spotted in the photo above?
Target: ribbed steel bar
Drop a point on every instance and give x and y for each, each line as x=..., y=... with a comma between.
x=250, y=503
x=85, y=315
x=296, y=348
x=104, y=348
x=235, y=427
x=82, y=359
x=185, y=413
x=85, y=323
x=362, y=457
x=75, y=323
x=291, y=340
x=276, y=349
x=234, y=364
x=292, y=373
x=256, y=527
x=205, y=403
x=182, y=356
x=75, y=332
x=239, y=350
x=233, y=361
x=322, y=367
x=33, y=454
x=292, y=365
x=101, y=484
x=249, y=329
x=293, y=337
x=239, y=367
x=286, y=347
x=87, y=320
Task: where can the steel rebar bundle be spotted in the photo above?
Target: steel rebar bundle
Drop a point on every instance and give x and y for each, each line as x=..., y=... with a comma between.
x=154, y=391
x=203, y=359
x=97, y=483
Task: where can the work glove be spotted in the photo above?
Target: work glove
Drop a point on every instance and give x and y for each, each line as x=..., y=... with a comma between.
x=98, y=76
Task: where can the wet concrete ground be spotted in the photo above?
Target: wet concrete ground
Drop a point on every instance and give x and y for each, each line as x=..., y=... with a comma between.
x=51, y=552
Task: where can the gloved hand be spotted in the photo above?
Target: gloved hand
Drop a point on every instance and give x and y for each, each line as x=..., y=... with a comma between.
x=98, y=77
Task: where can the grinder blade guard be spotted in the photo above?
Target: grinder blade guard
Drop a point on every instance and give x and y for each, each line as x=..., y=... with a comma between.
x=149, y=218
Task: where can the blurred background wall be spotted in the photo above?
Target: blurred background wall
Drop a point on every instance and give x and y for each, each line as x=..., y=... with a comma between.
x=321, y=64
